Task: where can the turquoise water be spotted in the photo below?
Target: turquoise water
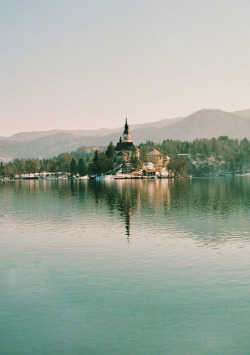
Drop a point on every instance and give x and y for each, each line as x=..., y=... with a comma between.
x=125, y=267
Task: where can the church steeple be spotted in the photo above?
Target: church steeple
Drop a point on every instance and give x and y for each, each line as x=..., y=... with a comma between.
x=126, y=137
x=126, y=128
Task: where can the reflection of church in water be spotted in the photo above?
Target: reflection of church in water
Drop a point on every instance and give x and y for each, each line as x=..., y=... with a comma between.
x=127, y=200
x=127, y=197
x=142, y=195
x=127, y=213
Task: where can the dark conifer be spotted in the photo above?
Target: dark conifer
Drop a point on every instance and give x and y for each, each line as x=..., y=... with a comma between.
x=82, y=167
x=110, y=152
x=73, y=167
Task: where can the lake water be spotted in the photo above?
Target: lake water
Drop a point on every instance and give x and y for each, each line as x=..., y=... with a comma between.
x=125, y=267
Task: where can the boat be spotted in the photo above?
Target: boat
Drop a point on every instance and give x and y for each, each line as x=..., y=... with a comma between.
x=30, y=178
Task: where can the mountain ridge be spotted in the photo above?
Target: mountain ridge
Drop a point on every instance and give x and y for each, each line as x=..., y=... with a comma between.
x=25, y=136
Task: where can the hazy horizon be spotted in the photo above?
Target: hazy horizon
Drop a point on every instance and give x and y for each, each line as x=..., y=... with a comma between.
x=87, y=65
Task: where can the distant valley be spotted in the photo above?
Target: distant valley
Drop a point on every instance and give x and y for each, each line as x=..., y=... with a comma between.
x=205, y=123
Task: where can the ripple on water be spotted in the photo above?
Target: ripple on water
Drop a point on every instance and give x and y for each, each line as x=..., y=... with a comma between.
x=125, y=267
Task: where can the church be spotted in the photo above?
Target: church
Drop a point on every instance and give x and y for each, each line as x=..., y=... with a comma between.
x=125, y=148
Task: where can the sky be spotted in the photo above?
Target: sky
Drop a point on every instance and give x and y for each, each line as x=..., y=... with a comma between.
x=72, y=64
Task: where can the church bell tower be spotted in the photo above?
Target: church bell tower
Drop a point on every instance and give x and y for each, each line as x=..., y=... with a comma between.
x=126, y=137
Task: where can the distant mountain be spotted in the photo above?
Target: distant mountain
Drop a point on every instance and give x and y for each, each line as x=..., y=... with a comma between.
x=201, y=124
x=243, y=113
x=208, y=124
x=27, y=136
x=41, y=147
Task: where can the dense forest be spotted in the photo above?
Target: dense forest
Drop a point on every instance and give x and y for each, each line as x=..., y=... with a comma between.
x=202, y=157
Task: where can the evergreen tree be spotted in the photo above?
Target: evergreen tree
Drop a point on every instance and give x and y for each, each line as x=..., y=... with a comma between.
x=73, y=166
x=2, y=170
x=110, y=152
x=96, y=157
x=94, y=166
x=82, y=167
x=135, y=162
x=32, y=165
x=179, y=165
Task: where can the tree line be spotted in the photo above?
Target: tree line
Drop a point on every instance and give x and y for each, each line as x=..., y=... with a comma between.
x=201, y=157
x=65, y=163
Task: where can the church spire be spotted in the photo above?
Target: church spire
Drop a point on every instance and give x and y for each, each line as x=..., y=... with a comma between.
x=126, y=128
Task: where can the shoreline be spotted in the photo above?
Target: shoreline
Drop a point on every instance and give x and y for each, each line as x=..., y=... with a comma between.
x=109, y=178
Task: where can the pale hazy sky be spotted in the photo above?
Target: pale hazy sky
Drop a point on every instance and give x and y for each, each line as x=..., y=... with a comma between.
x=74, y=64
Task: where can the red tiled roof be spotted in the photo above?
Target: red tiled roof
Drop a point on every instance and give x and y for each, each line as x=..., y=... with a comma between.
x=154, y=152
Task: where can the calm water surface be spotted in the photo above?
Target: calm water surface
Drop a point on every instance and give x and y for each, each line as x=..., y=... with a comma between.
x=125, y=267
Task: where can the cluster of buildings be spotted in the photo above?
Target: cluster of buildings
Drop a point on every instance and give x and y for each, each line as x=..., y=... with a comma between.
x=156, y=162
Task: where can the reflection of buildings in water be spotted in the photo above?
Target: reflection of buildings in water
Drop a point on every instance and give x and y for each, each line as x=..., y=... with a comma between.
x=158, y=192
x=138, y=194
x=125, y=196
x=155, y=192
x=200, y=207
x=31, y=186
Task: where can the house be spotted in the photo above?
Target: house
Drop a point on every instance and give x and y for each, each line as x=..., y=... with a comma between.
x=157, y=158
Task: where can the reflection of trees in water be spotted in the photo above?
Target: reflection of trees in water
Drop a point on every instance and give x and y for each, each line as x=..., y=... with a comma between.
x=194, y=205
x=219, y=194
x=128, y=196
x=210, y=209
x=198, y=205
x=176, y=201
x=122, y=198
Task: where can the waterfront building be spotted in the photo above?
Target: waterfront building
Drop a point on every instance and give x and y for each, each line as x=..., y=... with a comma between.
x=157, y=158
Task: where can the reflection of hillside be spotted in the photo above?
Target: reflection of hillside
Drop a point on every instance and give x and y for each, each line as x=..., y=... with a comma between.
x=209, y=209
